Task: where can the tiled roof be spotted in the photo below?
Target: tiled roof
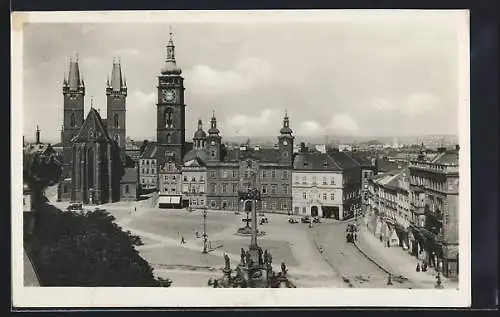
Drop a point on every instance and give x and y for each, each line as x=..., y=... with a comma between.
x=130, y=175
x=343, y=160
x=315, y=161
x=269, y=155
x=194, y=154
x=449, y=157
x=385, y=166
x=156, y=151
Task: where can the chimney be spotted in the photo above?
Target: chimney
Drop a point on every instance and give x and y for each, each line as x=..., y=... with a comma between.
x=37, y=135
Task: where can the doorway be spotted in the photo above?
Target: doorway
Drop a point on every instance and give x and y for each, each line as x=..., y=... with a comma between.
x=314, y=211
x=336, y=213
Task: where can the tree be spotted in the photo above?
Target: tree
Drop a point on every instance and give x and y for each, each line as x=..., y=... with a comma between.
x=88, y=250
x=39, y=171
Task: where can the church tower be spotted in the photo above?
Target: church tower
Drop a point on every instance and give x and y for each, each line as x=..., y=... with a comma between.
x=73, y=90
x=171, y=112
x=213, y=140
x=116, y=95
x=286, y=142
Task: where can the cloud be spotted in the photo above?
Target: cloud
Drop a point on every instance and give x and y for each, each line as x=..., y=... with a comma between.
x=245, y=75
x=343, y=123
x=420, y=103
x=413, y=104
x=308, y=128
x=141, y=114
x=265, y=124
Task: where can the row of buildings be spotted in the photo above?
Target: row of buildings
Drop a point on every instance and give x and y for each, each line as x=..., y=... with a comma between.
x=416, y=207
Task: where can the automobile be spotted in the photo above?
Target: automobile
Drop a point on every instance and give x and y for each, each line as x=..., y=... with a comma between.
x=264, y=220
x=316, y=219
x=292, y=220
x=75, y=206
x=305, y=219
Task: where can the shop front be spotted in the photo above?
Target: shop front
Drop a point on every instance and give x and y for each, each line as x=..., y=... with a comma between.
x=169, y=202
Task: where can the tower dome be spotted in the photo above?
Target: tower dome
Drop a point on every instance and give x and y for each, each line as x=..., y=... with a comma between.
x=170, y=67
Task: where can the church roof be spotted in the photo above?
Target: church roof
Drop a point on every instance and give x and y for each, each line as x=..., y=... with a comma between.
x=92, y=122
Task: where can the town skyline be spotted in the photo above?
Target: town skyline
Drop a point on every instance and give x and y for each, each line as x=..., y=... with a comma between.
x=230, y=71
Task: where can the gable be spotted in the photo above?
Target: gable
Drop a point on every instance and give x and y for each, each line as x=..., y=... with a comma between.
x=92, y=129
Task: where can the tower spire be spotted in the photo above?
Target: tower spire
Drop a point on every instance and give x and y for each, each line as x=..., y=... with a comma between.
x=116, y=75
x=74, y=78
x=37, y=134
x=170, y=67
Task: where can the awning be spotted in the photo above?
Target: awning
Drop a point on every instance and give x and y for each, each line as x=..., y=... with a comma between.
x=169, y=200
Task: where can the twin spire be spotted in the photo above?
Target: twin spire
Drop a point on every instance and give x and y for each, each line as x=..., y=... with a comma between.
x=117, y=81
x=74, y=80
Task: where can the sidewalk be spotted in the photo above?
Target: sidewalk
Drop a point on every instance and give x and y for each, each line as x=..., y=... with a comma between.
x=398, y=261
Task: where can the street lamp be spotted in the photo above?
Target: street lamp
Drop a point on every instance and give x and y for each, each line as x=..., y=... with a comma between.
x=205, y=236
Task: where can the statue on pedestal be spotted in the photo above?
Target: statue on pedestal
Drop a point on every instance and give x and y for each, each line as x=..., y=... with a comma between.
x=227, y=261
x=243, y=254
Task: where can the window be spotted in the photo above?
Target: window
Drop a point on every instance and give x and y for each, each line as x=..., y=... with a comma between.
x=234, y=188
x=173, y=178
x=285, y=174
x=193, y=179
x=273, y=173
x=264, y=189
x=143, y=171
x=273, y=205
x=304, y=180
x=224, y=188
x=224, y=174
x=185, y=178
x=201, y=178
x=212, y=188
x=212, y=153
x=193, y=189
x=332, y=181
x=324, y=196
x=297, y=180
x=202, y=189
x=234, y=173
x=314, y=180
x=296, y=210
x=72, y=120
x=169, y=138
x=284, y=206
x=143, y=181
x=273, y=189
x=304, y=210
x=332, y=196
x=285, y=189
x=115, y=120
x=147, y=172
x=212, y=173
x=212, y=203
x=264, y=173
x=202, y=202
x=324, y=181
x=304, y=195
x=152, y=170
x=264, y=205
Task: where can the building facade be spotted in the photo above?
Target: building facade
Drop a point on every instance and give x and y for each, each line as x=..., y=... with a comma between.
x=96, y=165
x=128, y=184
x=325, y=184
x=435, y=186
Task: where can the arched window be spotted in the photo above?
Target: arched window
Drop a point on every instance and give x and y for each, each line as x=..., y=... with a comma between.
x=126, y=189
x=115, y=120
x=169, y=138
x=169, y=118
x=72, y=120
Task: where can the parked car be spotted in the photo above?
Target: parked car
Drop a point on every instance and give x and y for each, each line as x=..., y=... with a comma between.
x=264, y=220
x=317, y=219
x=75, y=206
x=292, y=220
x=305, y=219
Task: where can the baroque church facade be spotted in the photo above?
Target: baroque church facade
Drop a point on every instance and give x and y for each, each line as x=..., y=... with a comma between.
x=93, y=147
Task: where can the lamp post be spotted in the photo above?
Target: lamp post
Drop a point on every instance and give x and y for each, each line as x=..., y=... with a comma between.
x=205, y=236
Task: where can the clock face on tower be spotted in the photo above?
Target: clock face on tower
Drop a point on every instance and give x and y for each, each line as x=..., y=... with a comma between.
x=168, y=95
x=285, y=142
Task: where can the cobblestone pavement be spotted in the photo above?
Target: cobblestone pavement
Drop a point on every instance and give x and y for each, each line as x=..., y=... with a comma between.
x=161, y=231
x=354, y=267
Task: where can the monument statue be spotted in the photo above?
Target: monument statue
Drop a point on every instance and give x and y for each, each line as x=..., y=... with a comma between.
x=243, y=254
x=226, y=259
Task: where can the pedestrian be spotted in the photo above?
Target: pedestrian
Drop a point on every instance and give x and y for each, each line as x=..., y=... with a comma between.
x=182, y=240
x=135, y=209
x=424, y=267
x=418, y=267
x=388, y=245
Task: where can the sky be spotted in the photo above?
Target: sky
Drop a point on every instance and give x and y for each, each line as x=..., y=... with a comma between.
x=359, y=77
